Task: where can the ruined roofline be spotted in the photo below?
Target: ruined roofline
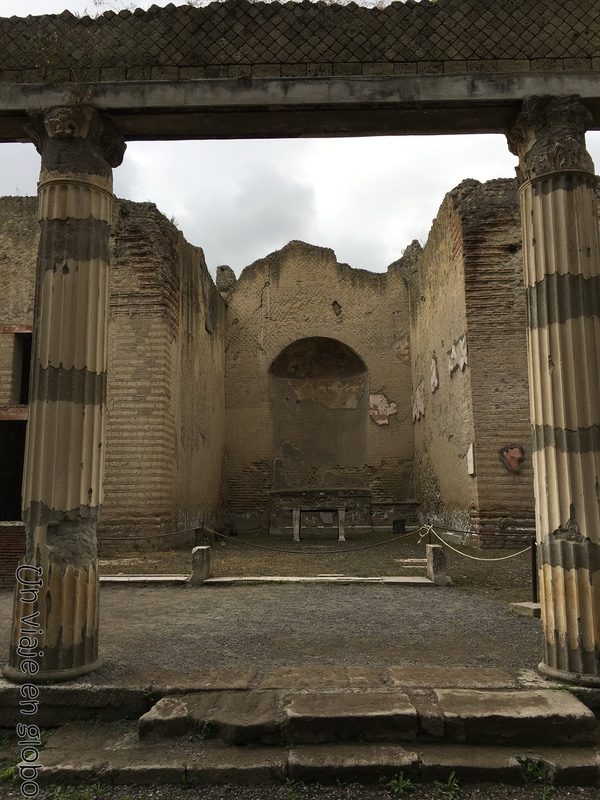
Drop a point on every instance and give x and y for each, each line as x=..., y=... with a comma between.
x=275, y=258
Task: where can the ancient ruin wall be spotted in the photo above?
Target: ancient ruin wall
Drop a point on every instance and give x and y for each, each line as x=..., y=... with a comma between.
x=200, y=418
x=240, y=39
x=496, y=323
x=298, y=292
x=18, y=254
x=163, y=462
x=442, y=407
x=165, y=436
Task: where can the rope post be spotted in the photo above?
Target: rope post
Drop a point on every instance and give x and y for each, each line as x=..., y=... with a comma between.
x=534, y=572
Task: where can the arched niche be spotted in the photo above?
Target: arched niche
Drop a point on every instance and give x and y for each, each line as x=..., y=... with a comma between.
x=319, y=396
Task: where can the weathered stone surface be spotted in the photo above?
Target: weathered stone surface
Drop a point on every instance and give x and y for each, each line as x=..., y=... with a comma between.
x=435, y=677
x=361, y=763
x=200, y=565
x=238, y=718
x=169, y=717
x=316, y=718
x=531, y=610
x=211, y=679
x=306, y=678
x=71, y=702
x=522, y=717
x=437, y=564
x=238, y=766
x=471, y=764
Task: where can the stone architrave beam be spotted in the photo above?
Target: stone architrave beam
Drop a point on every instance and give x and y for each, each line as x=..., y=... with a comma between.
x=62, y=484
x=562, y=275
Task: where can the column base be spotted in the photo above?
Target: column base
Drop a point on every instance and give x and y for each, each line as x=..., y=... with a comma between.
x=591, y=681
x=53, y=676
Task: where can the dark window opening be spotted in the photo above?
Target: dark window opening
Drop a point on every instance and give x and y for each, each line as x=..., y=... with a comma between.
x=12, y=447
x=24, y=359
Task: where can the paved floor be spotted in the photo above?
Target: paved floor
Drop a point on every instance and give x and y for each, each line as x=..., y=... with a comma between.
x=187, y=630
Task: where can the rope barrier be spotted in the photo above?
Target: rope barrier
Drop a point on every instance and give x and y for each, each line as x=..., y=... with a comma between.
x=430, y=529
x=425, y=530
x=144, y=538
x=302, y=552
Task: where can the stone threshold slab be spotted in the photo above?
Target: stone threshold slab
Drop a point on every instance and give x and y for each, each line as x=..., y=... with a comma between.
x=407, y=580
x=144, y=580
x=112, y=754
x=462, y=716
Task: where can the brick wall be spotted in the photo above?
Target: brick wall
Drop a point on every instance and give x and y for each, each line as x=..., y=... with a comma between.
x=18, y=254
x=496, y=322
x=12, y=548
x=445, y=430
x=165, y=387
x=165, y=397
x=302, y=291
x=469, y=281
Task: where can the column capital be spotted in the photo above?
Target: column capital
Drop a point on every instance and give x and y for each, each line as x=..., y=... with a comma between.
x=548, y=136
x=76, y=126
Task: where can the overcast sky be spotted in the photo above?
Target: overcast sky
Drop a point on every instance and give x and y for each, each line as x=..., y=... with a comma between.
x=239, y=200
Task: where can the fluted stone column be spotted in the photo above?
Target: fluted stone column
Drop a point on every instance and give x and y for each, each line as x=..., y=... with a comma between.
x=62, y=485
x=562, y=276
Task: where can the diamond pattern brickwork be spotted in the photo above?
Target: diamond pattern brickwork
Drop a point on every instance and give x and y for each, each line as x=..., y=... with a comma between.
x=234, y=37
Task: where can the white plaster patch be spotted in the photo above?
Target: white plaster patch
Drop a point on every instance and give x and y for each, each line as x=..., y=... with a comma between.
x=419, y=403
x=471, y=460
x=381, y=409
x=458, y=356
x=435, y=378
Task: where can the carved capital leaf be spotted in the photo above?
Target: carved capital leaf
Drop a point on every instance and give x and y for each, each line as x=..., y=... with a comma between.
x=80, y=125
x=549, y=136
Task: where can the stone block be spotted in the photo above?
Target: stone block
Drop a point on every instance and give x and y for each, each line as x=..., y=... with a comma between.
x=432, y=676
x=200, y=565
x=113, y=73
x=405, y=68
x=192, y=73
x=318, y=70
x=378, y=68
x=470, y=764
x=209, y=680
x=306, y=678
x=238, y=718
x=266, y=71
x=350, y=763
x=162, y=73
x=169, y=717
x=215, y=71
x=61, y=704
x=437, y=564
x=239, y=71
x=430, y=67
x=516, y=717
x=236, y=766
x=317, y=718
x=531, y=610
x=293, y=70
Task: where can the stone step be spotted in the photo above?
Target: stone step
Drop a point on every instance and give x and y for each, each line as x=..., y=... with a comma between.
x=469, y=716
x=113, y=754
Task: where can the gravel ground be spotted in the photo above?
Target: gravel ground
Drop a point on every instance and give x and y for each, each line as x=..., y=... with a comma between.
x=294, y=791
x=268, y=626
x=509, y=580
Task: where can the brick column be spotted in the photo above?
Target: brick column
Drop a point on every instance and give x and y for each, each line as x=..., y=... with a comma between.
x=62, y=484
x=562, y=275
